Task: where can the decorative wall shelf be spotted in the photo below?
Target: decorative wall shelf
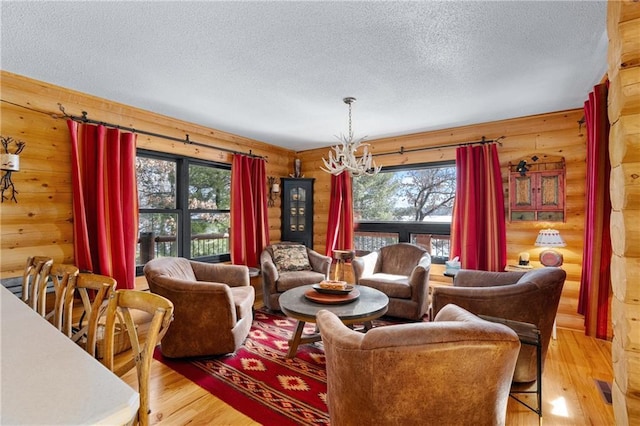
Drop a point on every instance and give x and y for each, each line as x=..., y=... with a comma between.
x=537, y=189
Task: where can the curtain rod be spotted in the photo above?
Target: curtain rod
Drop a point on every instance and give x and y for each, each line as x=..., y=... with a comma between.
x=186, y=140
x=454, y=145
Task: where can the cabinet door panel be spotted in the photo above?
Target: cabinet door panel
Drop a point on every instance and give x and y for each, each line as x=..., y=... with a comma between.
x=523, y=198
x=538, y=195
x=551, y=191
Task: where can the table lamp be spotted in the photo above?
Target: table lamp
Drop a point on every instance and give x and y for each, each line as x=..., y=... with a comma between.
x=550, y=238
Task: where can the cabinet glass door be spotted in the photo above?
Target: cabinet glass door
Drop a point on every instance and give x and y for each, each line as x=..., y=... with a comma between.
x=297, y=213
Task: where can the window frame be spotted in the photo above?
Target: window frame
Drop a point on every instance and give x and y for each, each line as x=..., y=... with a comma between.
x=405, y=229
x=182, y=203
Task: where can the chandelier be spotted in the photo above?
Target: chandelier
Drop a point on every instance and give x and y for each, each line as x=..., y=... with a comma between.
x=344, y=156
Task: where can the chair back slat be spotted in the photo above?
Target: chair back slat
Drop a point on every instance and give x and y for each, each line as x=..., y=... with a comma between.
x=125, y=303
x=63, y=278
x=94, y=291
x=36, y=273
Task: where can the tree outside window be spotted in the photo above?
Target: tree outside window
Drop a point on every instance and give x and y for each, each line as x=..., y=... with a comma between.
x=184, y=207
x=403, y=204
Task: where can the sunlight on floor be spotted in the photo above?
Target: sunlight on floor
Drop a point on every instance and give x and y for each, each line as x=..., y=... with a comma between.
x=559, y=407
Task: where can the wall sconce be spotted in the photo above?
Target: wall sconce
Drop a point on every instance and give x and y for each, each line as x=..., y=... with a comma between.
x=550, y=238
x=274, y=190
x=9, y=163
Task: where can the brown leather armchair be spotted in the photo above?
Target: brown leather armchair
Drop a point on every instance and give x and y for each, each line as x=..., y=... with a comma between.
x=455, y=370
x=213, y=305
x=531, y=297
x=276, y=281
x=401, y=271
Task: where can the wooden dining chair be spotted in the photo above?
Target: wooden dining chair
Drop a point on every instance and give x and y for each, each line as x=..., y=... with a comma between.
x=126, y=303
x=63, y=278
x=36, y=274
x=94, y=291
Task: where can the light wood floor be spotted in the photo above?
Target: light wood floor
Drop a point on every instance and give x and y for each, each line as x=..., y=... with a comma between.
x=570, y=395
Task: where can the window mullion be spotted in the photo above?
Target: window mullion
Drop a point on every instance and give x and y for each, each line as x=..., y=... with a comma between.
x=184, y=218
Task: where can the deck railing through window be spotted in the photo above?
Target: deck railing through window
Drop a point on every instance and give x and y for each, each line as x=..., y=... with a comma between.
x=202, y=245
x=437, y=245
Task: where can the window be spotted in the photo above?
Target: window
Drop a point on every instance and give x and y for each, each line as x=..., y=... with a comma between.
x=184, y=207
x=406, y=204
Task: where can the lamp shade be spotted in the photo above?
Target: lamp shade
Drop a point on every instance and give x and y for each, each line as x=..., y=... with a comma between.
x=549, y=238
x=10, y=162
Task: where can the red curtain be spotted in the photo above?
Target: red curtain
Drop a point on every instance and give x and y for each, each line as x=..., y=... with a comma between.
x=478, y=230
x=595, y=284
x=340, y=226
x=105, y=201
x=249, y=221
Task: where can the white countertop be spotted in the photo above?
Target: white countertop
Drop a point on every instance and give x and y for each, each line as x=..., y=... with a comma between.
x=46, y=379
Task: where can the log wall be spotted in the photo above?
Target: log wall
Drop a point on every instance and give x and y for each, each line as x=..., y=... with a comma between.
x=623, y=27
x=41, y=222
x=554, y=134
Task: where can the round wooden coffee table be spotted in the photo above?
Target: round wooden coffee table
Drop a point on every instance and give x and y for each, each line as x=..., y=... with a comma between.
x=370, y=305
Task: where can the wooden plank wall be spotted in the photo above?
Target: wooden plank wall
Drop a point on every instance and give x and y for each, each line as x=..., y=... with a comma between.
x=623, y=27
x=555, y=134
x=40, y=223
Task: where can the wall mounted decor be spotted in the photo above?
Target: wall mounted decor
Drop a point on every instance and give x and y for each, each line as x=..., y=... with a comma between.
x=297, y=169
x=537, y=189
x=9, y=163
x=274, y=190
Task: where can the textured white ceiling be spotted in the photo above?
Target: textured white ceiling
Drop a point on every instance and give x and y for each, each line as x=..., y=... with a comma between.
x=277, y=71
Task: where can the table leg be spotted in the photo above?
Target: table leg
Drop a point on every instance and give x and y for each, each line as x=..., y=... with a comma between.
x=295, y=340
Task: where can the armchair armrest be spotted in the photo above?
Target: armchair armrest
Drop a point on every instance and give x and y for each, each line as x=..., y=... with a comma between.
x=420, y=273
x=197, y=296
x=232, y=275
x=365, y=265
x=475, y=278
x=319, y=262
x=342, y=336
x=514, y=301
x=270, y=274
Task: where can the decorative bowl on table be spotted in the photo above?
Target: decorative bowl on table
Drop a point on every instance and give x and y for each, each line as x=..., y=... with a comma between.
x=333, y=287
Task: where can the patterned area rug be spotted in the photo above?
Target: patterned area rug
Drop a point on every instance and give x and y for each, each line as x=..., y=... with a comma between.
x=260, y=381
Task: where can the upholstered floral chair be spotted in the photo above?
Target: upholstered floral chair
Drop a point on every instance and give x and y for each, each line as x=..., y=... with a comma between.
x=288, y=265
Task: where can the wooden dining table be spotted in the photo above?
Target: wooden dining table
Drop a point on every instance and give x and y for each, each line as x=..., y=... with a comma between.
x=47, y=379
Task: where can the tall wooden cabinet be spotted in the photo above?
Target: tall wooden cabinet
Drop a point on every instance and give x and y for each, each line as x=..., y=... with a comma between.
x=297, y=210
x=537, y=190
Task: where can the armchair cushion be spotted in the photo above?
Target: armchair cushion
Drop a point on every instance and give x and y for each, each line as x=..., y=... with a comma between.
x=293, y=279
x=291, y=257
x=391, y=285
